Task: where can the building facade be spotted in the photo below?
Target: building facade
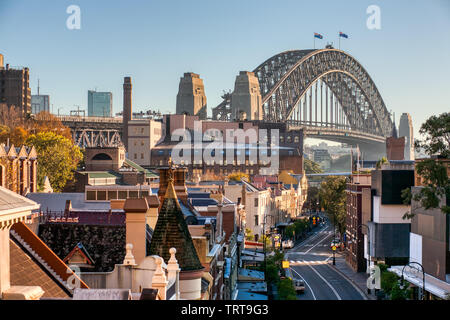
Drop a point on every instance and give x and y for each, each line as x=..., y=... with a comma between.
x=100, y=104
x=15, y=87
x=40, y=103
x=356, y=221
x=18, y=169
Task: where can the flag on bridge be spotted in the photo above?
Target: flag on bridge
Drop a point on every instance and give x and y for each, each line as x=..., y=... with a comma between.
x=343, y=35
x=318, y=35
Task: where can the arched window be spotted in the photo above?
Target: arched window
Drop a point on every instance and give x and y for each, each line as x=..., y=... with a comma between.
x=101, y=156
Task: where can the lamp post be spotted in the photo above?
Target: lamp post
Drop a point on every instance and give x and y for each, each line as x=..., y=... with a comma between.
x=423, y=276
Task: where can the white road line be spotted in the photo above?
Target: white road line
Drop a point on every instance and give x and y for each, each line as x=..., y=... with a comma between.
x=351, y=282
x=312, y=292
x=316, y=244
x=325, y=280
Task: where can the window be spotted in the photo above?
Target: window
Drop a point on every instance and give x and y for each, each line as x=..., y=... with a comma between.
x=142, y=143
x=90, y=195
x=135, y=156
x=256, y=220
x=256, y=202
x=112, y=195
x=123, y=195
x=101, y=195
x=142, y=156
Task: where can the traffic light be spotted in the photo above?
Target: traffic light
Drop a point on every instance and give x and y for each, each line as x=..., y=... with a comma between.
x=314, y=220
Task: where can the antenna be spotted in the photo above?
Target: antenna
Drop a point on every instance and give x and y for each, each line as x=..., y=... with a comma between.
x=38, y=86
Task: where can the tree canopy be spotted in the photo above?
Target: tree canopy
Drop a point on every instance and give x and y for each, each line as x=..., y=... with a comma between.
x=311, y=166
x=334, y=200
x=57, y=158
x=436, y=182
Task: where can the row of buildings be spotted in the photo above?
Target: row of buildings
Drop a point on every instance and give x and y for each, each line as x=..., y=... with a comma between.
x=118, y=237
x=377, y=230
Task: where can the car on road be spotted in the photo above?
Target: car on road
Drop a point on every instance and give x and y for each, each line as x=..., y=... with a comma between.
x=335, y=242
x=288, y=244
x=299, y=285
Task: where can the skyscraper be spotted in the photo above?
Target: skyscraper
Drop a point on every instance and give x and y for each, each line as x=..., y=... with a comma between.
x=406, y=130
x=100, y=104
x=15, y=87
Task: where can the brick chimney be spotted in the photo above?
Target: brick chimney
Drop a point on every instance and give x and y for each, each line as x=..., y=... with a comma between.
x=127, y=108
x=136, y=211
x=179, y=176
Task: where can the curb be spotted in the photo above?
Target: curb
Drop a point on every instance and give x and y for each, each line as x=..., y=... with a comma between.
x=352, y=282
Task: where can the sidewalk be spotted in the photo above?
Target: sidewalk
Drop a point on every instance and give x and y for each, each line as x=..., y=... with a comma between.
x=359, y=279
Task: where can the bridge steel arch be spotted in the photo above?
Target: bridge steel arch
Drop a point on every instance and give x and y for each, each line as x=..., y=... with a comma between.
x=283, y=84
x=286, y=78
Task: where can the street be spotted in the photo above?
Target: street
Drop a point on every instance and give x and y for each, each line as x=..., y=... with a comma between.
x=310, y=260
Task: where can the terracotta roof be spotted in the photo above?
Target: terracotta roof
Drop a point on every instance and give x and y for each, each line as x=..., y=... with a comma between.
x=171, y=230
x=41, y=252
x=27, y=271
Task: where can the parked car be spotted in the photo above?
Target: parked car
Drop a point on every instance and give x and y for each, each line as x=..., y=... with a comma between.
x=299, y=285
x=288, y=244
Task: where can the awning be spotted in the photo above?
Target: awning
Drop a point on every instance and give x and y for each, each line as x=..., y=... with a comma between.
x=433, y=285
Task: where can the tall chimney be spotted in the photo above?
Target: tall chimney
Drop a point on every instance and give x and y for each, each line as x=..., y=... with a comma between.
x=127, y=108
x=136, y=211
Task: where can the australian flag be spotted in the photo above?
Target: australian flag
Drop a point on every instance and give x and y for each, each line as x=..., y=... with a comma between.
x=341, y=34
x=318, y=35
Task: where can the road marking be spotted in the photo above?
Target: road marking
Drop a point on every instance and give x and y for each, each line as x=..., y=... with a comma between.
x=351, y=282
x=316, y=244
x=325, y=280
x=314, y=296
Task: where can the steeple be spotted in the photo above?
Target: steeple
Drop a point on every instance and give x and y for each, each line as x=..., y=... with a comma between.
x=171, y=231
x=394, y=129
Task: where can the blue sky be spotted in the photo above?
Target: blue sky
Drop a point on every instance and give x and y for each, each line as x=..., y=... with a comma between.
x=156, y=41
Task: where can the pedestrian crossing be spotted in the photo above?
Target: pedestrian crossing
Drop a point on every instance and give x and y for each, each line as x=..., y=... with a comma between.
x=304, y=263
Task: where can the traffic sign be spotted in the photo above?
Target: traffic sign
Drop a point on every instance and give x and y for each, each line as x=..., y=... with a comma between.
x=285, y=264
x=334, y=248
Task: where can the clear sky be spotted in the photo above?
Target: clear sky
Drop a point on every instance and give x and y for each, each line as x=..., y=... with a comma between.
x=156, y=41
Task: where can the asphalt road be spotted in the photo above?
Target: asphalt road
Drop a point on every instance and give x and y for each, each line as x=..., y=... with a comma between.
x=310, y=260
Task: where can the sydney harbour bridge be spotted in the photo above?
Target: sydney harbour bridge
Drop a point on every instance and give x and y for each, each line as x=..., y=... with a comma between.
x=326, y=92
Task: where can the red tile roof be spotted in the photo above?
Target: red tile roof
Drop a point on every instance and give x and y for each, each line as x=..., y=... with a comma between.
x=57, y=266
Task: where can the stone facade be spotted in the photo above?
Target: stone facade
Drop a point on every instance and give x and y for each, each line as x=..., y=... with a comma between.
x=246, y=101
x=18, y=169
x=15, y=88
x=191, y=98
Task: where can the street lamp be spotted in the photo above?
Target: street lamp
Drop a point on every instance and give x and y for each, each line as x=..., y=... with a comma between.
x=423, y=276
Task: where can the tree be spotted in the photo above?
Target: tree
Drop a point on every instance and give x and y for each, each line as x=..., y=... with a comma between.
x=382, y=161
x=286, y=290
x=334, y=200
x=57, y=158
x=237, y=176
x=436, y=183
x=311, y=166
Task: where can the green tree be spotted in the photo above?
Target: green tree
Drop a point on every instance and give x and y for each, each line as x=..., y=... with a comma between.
x=58, y=157
x=286, y=290
x=334, y=200
x=237, y=176
x=436, y=182
x=382, y=161
x=311, y=166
